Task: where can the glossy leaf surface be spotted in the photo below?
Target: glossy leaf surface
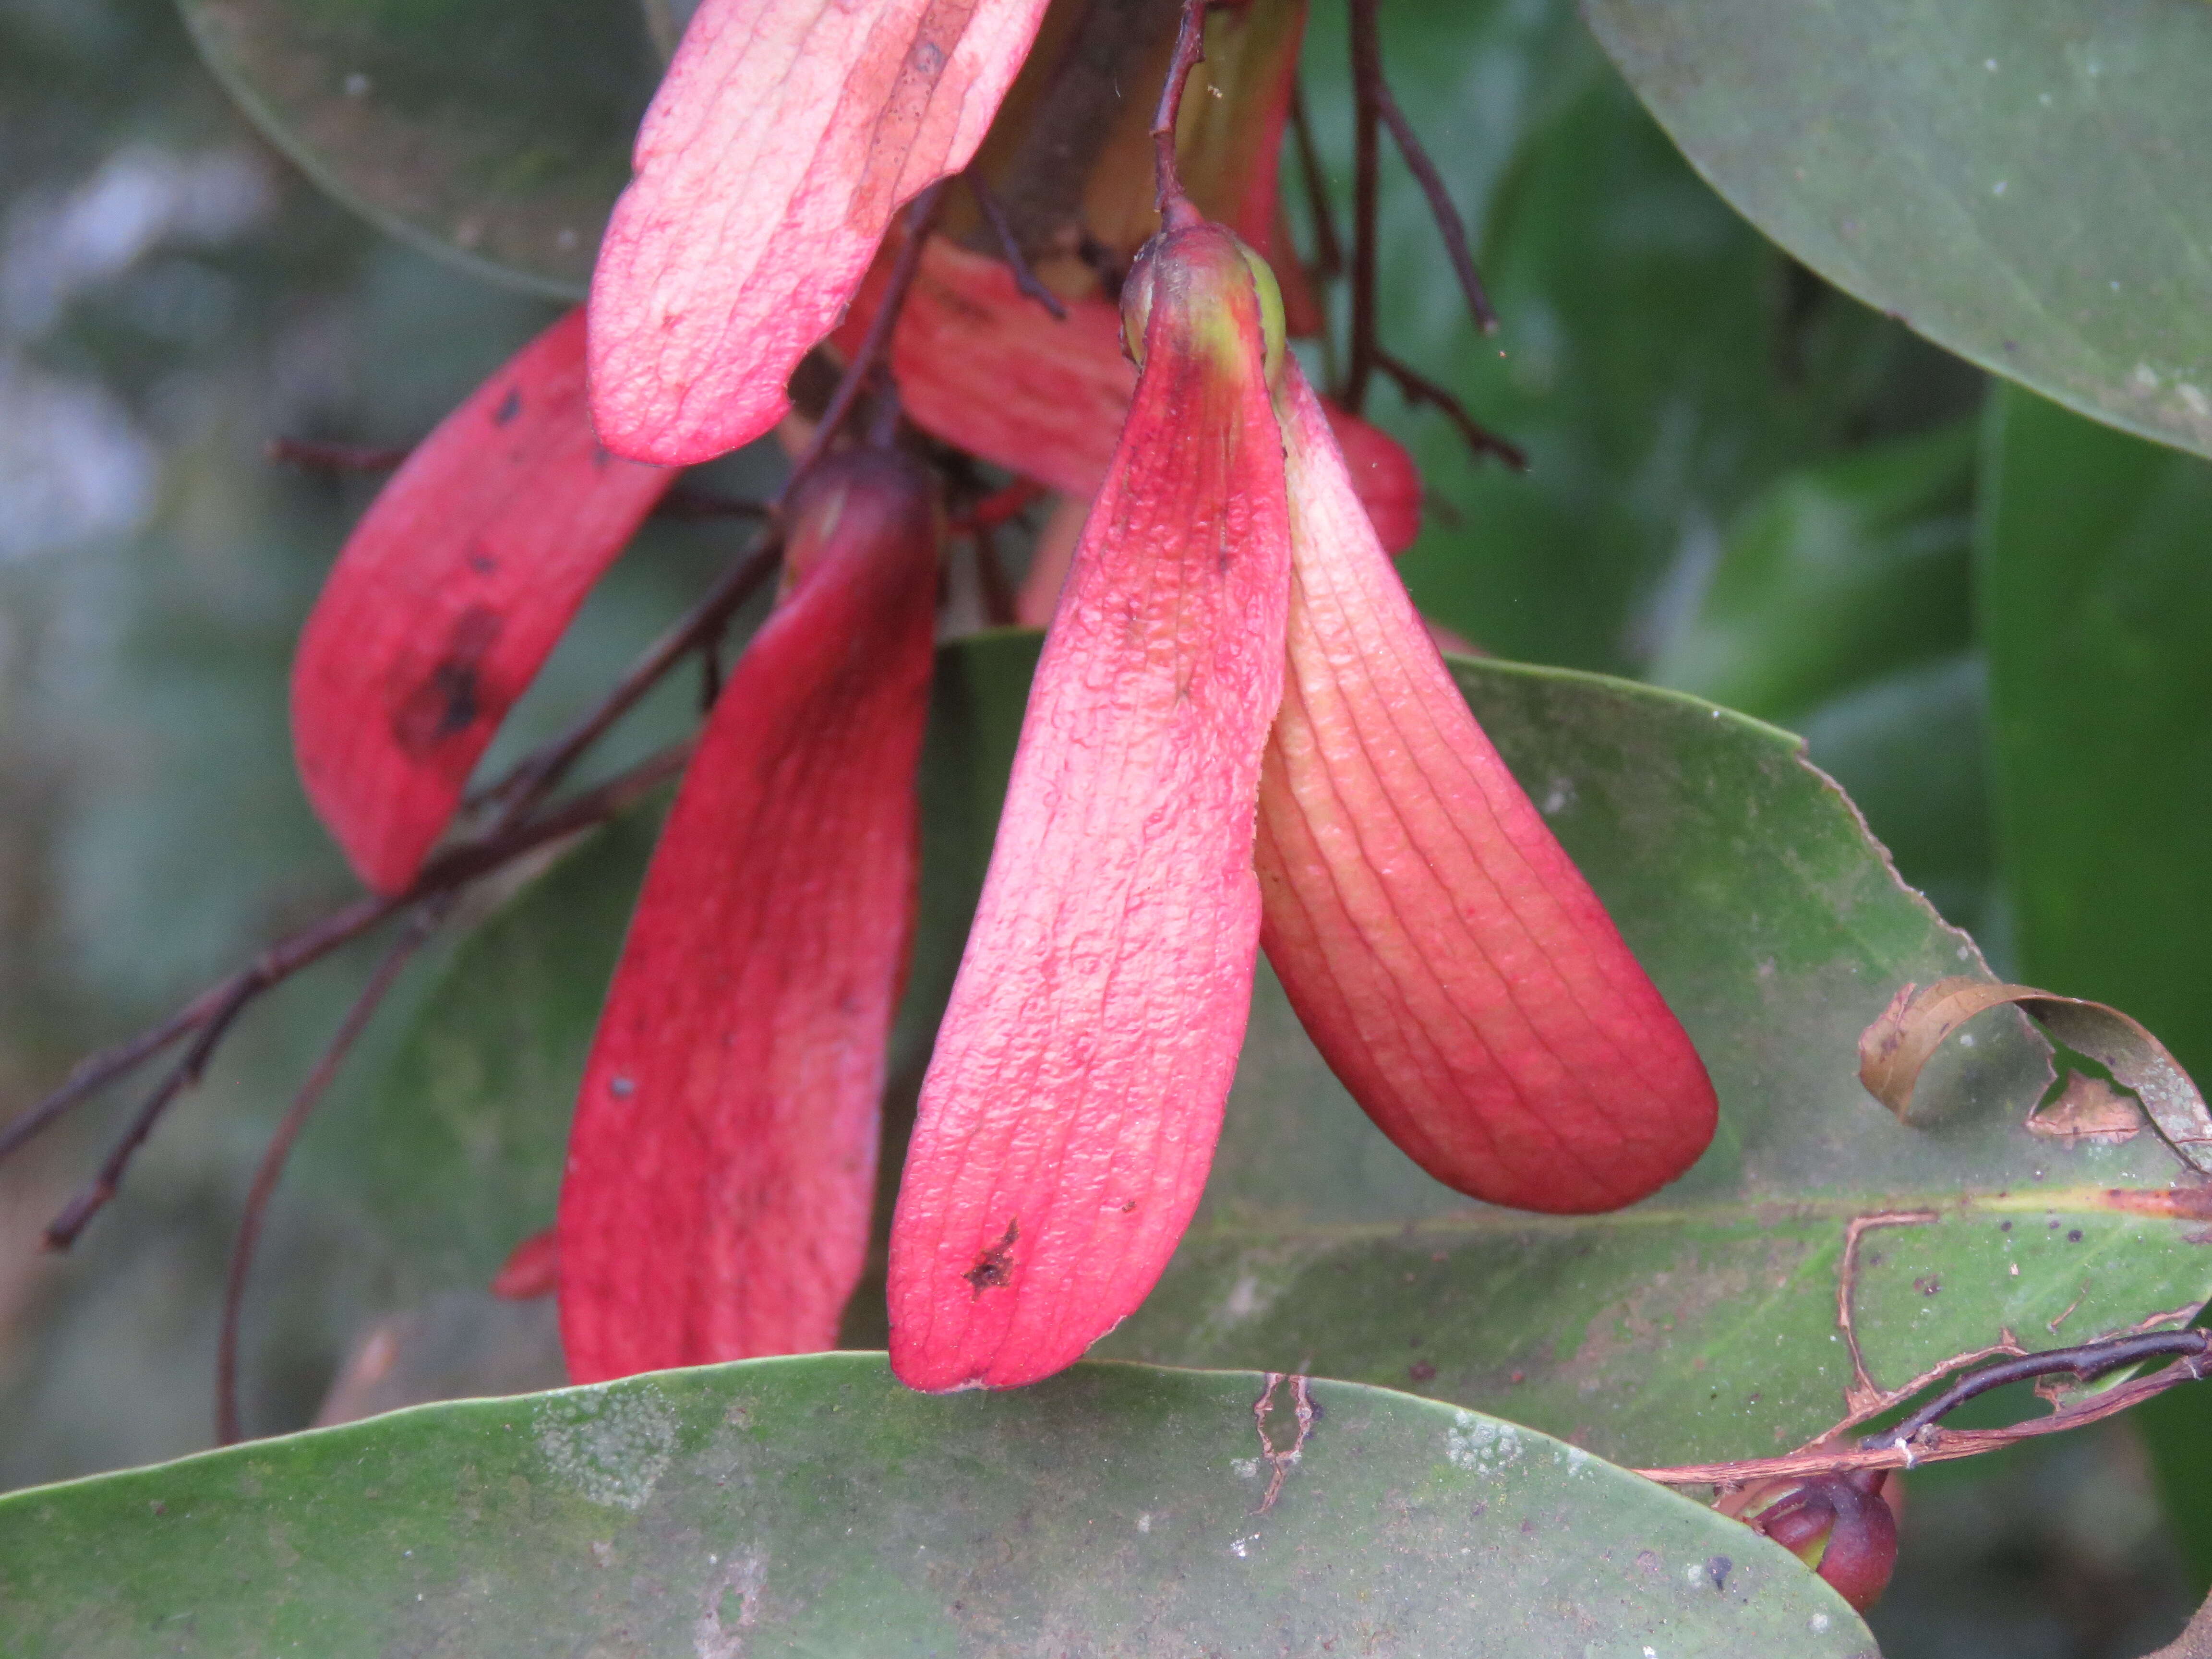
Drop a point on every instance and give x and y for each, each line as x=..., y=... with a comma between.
x=2023, y=183
x=2095, y=593
x=1706, y=1316
x=812, y=1506
x=492, y=133
x=1701, y=1322
x=2095, y=590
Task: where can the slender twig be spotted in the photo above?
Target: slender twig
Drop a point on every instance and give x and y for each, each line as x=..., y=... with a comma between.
x=537, y=774
x=1919, y=1439
x=312, y=455
x=1449, y=225
x=685, y=505
x=211, y=1013
x=1190, y=53
x=1025, y=278
x=1366, y=194
x=62, y=1231
x=420, y=926
x=2085, y=1363
x=682, y=503
x=875, y=345
x=1419, y=389
x=1329, y=251
x=95, y=1072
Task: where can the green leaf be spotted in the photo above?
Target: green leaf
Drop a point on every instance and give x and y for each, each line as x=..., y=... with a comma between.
x=2095, y=592
x=2023, y=182
x=813, y=1507
x=1835, y=576
x=457, y=1155
x=494, y=132
x=1700, y=1324
x=2095, y=586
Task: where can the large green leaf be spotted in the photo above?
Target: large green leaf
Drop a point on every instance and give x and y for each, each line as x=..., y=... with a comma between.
x=1835, y=576
x=2095, y=591
x=812, y=1507
x=2023, y=182
x=1701, y=1322
x=495, y=132
x=1838, y=605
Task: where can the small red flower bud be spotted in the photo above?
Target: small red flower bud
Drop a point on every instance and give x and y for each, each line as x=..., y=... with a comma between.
x=1839, y=1525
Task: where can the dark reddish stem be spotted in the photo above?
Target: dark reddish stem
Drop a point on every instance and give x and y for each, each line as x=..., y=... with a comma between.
x=2085, y=1364
x=1366, y=194
x=875, y=346
x=1190, y=53
x=1025, y=278
x=311, y=456
x=1419, y=389
x=211, y=1013
x=1328, y=250
x=420, y=926
x=233, y=997
x=1919, y=1439
x=1449, y=225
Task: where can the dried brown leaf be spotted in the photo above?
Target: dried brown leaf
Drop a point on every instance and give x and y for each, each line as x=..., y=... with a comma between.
x=1893, y=1049
x=2087, y=1108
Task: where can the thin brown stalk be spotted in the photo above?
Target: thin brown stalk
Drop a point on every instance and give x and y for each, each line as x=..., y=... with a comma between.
x=1920, y=1440
x=1328, y=250
x=875, y=345
x=1190, y=53
x=420, y=926
x=1025, y=278
x=1366, y=195
x=1442, y=208
x=1419, y=389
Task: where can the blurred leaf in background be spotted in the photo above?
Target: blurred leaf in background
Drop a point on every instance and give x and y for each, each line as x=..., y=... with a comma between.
x=2095, y=572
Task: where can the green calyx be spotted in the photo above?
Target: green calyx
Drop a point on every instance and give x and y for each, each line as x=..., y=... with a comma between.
x=1198, y=271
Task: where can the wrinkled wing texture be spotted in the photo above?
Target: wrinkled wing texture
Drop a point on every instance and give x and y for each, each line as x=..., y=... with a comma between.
x=448, y=597
x=1449, y=959
x=986, y=368
x=1071, y=1106
x=720, y=1173
x=1383, y=477
x=783, y=138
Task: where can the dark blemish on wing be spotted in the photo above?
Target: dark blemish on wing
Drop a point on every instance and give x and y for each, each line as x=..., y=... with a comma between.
x=446, y=702
x=995, y=1267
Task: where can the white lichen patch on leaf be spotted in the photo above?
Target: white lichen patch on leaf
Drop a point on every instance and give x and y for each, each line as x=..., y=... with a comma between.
x=611, y=1448
x=1481, y=1446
